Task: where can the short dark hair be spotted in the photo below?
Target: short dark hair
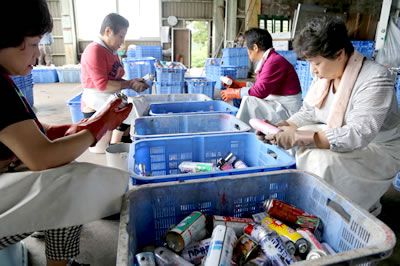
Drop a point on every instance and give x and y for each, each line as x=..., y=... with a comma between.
x=115, y=22
x=258, y=36
x=322, y=36
x=23, y=18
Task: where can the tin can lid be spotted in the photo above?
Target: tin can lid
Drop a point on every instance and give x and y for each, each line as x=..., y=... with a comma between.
x=315, y=254
x=302, y=246
x=267, y=204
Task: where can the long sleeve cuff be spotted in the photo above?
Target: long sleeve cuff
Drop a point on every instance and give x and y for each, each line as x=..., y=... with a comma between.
x=244, y=92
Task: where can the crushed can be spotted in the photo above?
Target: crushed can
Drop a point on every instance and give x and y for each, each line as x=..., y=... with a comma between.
x=165, y=257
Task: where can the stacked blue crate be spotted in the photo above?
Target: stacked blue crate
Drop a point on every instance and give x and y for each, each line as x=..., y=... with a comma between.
x=305, y=77
x=398, y=90
x=289, y=56
x=214, y=71
x=149, y=51
x=138, y=68
x=366, y=48
x=237, y=57
x=25, y=84
x=170, y=79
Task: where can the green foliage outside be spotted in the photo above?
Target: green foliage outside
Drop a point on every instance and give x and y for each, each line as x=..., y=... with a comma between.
x=199, y=42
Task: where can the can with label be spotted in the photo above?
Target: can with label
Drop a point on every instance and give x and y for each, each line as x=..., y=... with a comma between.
x=196, y=167
x=245, y=249
x=284, y=230
x=192, y=228
x=291, y=214
x=221, y=247
x=271, y=243
x=223, y=165
x=237, y=224
x=258, y=217
x=148, y=79
x=146, y=259
x=316, y=250
x=195, y=252
x=165, y=257
x=289, y=244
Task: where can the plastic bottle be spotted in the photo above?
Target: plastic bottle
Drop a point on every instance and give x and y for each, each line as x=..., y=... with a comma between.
x=226, y=80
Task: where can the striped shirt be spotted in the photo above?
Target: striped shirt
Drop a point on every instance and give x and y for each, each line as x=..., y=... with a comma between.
x=372, y=114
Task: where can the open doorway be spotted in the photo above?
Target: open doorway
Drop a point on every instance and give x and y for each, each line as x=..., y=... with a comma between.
x=200, y=38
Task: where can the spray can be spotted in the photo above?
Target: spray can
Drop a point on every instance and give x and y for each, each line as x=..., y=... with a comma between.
x=226, y=80
x=146, y=259
x=192, y=228
x=264, y=127
x=237, y=224
x=244, y=250
x=223, y=239
x=196, y=167
x=258, y=217
x=195, y=252
x=316, y=249
x=165, y=257
x=148, y=79
x=118, y=94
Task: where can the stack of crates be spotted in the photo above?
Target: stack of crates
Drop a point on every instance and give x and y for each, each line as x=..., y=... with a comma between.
x=170, y=77
x=69, y=73
x=366, y=48
x=200, y=85
x=25, y=84
x=305, y=77
x=237, y=57
x=149, y=51
x=215, y=70
x=289, y=56
x=44, y=75
x=138, y=68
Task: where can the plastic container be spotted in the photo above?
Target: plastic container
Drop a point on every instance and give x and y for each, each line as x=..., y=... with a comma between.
x=14, y=255
x=74, y=105
x=170, y=74
x=289, y=56
x=305, y=76
x=162, y=156
x=69, y=75
x=366, y=48
x=45, y=75
x=180, y=125
x=242, y=72
x=138, y=67
x=117, y=156
x=25, y=85
x=204, y=107
x=358, y=237
x=170, y=87
x=146, y=51
x=148, y=99
x=397, y=87
x=201, y=86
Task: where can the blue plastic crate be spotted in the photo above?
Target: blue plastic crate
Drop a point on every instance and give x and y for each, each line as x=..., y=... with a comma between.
x=74, y=105
x=397, y=87
x=213, y=61
x=170, y=74
x=204, y=107
x=305, y=76
x=44, y=75
x=138, y=67
x=201, y=86
x=242, y=72
x=25, y=85
x=366, y=48
x=146, y=51
x=14, y=255
x=148, y=212
x=236, y=51
x=180, y=125
x=131, y=53
x=289, y=56
x=236, y=60
x=166, y=87
x=69, y=75
x=162, y=156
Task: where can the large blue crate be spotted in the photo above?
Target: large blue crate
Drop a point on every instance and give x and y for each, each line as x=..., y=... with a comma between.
x=44, y=75
x=397, y=87
x=202, y=86
x=236, y=60
x=148, y=212
x=25, y=85
x=305, y=76
x=74, y=105
x=204, y=107
x=235, y=51
x=131, y=53
x=69, y=75
x=242, y=72
x=180, y=125
x=366, y=48
x=138, y=67
x=170, y=74
x=146, y=51
x=169, y=87
x=215, y=72
x=162, y=156
x=289, y=56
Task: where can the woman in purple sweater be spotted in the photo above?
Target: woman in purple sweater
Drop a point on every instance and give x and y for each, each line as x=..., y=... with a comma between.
x=276, y=93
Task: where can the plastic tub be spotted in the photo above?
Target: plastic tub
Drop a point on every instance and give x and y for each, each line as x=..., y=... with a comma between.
x=180, y=125
x=201, y=86
x=117, y=156
x=205, y=107
x=74, y=105
x=162, y=156
x=138, y=67
x=44, y=75
x=69, y=75
x=168, y=87
x=356, y=236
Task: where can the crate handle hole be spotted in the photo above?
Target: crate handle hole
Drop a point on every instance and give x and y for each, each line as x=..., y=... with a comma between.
x=237, y=126
x=339, y=210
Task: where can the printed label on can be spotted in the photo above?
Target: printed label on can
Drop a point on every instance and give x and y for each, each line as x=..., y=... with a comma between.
x=196, y=251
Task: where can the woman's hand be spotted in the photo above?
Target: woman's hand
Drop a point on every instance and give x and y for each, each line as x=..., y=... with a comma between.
x=138, y=85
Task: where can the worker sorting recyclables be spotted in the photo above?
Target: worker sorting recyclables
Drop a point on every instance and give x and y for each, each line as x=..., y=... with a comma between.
x=347, y=129
x=102, y=74
x=41, y=188
x=276, y=94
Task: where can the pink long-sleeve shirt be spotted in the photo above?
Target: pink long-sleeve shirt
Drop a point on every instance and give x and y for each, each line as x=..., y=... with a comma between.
x=277, y=76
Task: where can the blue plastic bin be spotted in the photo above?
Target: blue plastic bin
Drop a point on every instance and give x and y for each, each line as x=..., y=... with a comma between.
x=242, y=72
x=289, y=56
x=170, y=74
x=366, y=48
x=305, y=76
x=162, y=156
x=72, y=75
x=138, y=67
x=74, y=105
x=204, y=107
x=397, y=87
x=146, y=51
x=170, y=87
x=148, y=211
x=14, y=255
x=202, y=86
x=44, y=75
x=181, y=125
x=25, y=85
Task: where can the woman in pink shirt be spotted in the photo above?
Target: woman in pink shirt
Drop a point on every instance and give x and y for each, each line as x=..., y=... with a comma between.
x=276, y=94
x=102, y=73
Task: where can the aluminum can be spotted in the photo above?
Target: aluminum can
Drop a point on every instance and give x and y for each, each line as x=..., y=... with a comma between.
x=221, y=248
x=237, y=224
x=165, y=257
x=237, y=164
x=146, y=259
x=316, y=250
x=291, y=214
x=245, y=249
x=195, y=252
x=258, y=217
x=271, y=243
x=328, y=248
x=285, y=231
x=195, y=167
x=192, y=228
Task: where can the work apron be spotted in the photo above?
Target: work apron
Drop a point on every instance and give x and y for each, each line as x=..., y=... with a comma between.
x=273, y=108
x=73, y=194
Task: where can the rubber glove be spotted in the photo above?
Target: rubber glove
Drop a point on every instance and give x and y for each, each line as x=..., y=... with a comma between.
x=261, y=135
x=138, y=85
x=110, y=119
x=235, y=84
x=59, y=131
x=230, y=94
x=290, y=137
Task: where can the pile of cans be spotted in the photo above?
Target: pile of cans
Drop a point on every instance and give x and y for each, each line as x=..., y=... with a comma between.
x=169, y=64
x=259, y=240
x=228, y=162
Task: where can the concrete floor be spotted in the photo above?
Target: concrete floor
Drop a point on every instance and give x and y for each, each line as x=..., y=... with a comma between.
x=99, y=239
